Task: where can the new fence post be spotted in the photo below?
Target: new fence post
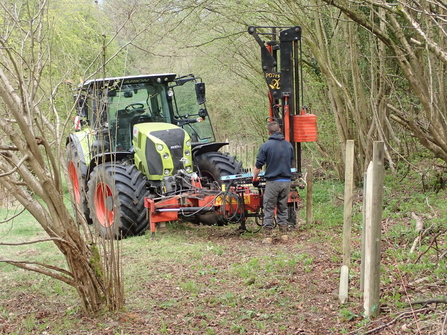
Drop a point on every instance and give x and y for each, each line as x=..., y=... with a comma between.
x=373, y=232
x=362, y=264
x=347, y=221
x=309, y=195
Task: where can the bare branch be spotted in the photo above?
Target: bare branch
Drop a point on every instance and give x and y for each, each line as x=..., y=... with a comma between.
x=50, y=239
x=43, y=269
x=8, y=147
x=14, y=216
x=15, y=167
x=432, y=46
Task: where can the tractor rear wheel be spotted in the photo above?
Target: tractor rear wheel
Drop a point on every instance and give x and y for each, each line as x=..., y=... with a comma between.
x=77, y=171
x=212, y=167
x=116, y=195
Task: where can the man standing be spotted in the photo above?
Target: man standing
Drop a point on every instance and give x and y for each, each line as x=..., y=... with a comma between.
x=277, y=155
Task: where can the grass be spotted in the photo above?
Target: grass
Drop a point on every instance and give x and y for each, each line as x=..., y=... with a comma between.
x=210, y=280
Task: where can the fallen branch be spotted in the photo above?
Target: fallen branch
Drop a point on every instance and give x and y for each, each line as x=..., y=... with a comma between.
x=428, y=248
x=428, y=301
x=419, y=222
x=420, y=236
x=397, y=318
x=415, y=244
x=443, y=324
x=443, y=255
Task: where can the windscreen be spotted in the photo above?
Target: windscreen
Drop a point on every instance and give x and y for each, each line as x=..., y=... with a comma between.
x=133, y=104
x=143, y=99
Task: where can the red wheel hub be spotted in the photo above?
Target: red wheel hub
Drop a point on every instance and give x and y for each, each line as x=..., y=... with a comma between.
x=104, y=205
x=74, y=181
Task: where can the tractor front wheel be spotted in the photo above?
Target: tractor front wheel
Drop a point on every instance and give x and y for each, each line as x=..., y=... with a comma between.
x=77, y=171
x=214, y=165
x=116, y=195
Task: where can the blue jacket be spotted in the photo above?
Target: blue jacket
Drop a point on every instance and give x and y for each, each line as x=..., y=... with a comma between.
x=277, y=155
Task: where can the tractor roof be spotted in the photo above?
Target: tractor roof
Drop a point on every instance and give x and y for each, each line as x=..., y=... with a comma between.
x=119, y=81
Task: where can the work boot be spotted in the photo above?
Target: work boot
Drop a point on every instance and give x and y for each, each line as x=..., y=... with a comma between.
x=283, y=231
x=267, y=236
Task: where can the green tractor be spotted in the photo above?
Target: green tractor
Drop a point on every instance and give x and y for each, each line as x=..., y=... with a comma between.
x=137, y=137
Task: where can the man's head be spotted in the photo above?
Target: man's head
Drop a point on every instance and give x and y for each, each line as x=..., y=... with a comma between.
x=273, y=127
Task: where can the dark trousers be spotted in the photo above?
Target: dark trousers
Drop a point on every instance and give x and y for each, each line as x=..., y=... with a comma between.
x=275, y=195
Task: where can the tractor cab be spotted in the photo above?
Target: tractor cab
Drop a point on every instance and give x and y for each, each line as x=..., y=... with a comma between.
x=131, y=104
x=112, y=106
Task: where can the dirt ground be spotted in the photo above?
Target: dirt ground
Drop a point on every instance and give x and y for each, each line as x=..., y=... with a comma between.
x=304, y=302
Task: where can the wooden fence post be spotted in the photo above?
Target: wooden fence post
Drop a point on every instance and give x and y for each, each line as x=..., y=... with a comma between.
x=362, y=263
x=309, y=195
x=373, y=232
x=347, y=221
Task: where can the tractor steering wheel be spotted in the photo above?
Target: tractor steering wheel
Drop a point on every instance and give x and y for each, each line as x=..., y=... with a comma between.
x=135, y=107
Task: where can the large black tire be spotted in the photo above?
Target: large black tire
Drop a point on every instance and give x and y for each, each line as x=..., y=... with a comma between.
x=212, y=167
x=116, y=195
x=77, y=171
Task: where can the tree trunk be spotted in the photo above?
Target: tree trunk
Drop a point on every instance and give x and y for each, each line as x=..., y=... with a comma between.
x=32, y=161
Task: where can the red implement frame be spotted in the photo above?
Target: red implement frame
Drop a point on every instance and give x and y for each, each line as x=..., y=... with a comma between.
x=239, y=200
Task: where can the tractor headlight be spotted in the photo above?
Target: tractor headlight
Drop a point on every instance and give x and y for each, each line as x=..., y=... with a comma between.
x=159, y=147
x=165, y=156
x=187, y=152
x=188, y=143
x=167, y=171
x=188, y=169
